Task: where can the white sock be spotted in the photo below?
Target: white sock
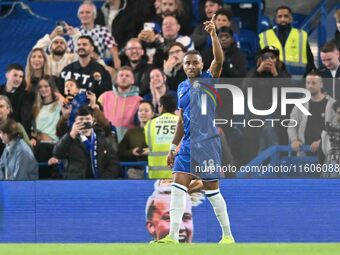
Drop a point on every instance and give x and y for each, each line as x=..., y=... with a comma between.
x=220, y=209
x=177, y=208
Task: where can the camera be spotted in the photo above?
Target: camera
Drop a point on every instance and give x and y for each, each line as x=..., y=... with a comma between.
x=87, y=125
x=62, y=24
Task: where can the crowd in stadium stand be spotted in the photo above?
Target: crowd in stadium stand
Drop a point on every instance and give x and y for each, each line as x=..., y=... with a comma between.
x=106, y=91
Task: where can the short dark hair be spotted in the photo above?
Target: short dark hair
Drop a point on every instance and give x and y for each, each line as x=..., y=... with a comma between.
x=84, y=110
x=89, y=38
x=336, y=105
x=172, y=44
x=169, y=103
x=224, y=12
x=192, y=52
x=284, y=7
x=14, y=66
x=10, y=127
x=329, y=47
x=149, y=103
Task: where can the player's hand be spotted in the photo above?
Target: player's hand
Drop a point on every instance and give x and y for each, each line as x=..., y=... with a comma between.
x=315, y=146
x=295, y=145
x=210, y=27
x=195, y=185
x=171, y=158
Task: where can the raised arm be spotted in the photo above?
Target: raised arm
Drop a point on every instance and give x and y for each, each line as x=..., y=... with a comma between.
x=216, y=65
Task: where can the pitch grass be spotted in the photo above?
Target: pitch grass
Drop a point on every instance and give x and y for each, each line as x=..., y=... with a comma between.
x=169, y=249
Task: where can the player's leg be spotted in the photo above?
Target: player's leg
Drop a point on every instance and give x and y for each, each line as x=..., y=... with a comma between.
x=217, y=201
x=179, y=191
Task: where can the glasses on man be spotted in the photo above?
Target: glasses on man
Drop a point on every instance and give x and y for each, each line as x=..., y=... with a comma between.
x=134, y=48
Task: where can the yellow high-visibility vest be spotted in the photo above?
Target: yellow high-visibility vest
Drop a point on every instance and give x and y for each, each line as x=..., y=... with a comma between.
x=159, y=133
x=294, y=54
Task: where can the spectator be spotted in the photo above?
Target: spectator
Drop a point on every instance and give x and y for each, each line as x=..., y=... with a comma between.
x=330, y=70
x=331, y=143
x=296, y=54
x=234, y=64
x=55, y=47
x=158, y=88
x=5, y=111
x=173, y=65
x=86, y=71
x=36, y=67
x=269, y=67
x=14, y=89
x=170, y=33
x=223, y=18
x=137, y=60
x=121, y=104
x=46, y=112
x=200, y=37
x=308, y=129
x=97, y=160
x=17, y=162
x=159, y=133
x=175, y=8
x=336, y=39
x=100, y=35
x=133, y=146
x=116, y=15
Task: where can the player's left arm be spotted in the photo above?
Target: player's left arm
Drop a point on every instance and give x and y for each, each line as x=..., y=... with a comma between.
x=216, y=65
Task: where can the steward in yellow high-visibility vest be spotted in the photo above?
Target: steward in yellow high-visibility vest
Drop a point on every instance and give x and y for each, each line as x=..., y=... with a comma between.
x=295, y=51
x=159, y=133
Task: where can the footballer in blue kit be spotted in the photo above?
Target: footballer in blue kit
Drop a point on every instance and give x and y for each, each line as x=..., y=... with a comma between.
x=198, y=139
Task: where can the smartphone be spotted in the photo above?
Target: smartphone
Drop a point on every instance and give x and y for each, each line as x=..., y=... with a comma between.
x=148, y=26
x=62, y=24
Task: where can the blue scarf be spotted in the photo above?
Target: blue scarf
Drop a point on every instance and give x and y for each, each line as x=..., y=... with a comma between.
x=91, y=147
x=79, y=100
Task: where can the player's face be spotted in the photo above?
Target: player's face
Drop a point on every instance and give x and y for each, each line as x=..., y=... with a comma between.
x=313, y=84
x=222, y=21
x=330, y=59
x=192, y=65
x=37, y=60
x=161, y=220
x=283, y=17
x=144, y=113
x=15, y=78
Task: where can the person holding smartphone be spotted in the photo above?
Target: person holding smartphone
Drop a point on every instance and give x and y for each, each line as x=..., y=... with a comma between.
x=89, y=152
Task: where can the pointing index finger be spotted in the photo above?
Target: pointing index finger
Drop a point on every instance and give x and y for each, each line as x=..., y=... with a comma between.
x=213, y=18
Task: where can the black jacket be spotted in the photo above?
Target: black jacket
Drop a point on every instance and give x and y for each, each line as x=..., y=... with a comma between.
x=234, y=64
x=93, y=77
x=78, y=162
